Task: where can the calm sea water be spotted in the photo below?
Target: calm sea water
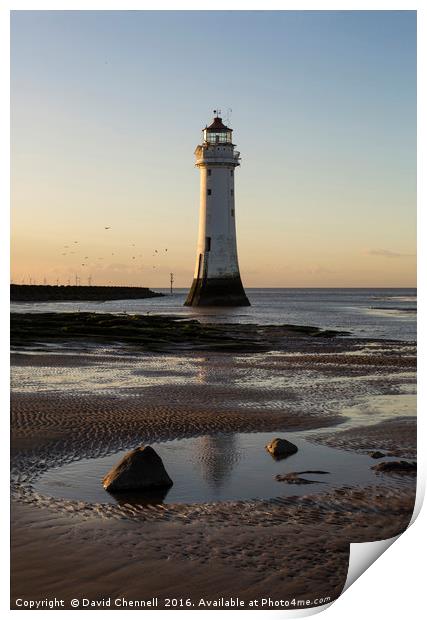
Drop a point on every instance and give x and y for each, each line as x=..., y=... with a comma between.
x=369, y=313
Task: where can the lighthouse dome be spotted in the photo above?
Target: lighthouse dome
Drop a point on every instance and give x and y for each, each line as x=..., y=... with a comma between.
x=217, y=132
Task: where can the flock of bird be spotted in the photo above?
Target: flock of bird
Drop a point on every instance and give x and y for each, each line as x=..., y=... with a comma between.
x=72, y=249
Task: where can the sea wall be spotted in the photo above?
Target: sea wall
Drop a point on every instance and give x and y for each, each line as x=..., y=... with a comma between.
x=30, y=293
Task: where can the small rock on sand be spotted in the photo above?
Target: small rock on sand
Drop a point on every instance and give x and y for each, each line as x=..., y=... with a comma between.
x=293, y=477
x=377, y=455
x=139, y=469
x=398, y=467
x=281, y=448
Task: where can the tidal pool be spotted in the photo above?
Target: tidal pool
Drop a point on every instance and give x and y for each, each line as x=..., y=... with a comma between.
x=214, y=468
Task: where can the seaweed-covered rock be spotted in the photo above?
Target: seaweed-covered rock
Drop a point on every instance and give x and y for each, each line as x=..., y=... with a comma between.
x=281, y=448
x=377, y=454
x=398, y=467
x=139, y=469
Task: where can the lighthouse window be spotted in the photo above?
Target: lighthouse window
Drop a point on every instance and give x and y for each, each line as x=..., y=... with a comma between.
x=209, y=192
x=207, y=244
x=232, y=192
x=209, y=172
x=232, y=212
x=231, y=173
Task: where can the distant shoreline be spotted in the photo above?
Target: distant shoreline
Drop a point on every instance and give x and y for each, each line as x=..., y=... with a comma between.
x=46, y=293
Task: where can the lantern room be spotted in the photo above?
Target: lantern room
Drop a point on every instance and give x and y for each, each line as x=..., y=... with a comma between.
x=217, y=133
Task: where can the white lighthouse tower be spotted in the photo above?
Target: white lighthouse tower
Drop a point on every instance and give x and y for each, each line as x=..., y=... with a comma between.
x=216, y=277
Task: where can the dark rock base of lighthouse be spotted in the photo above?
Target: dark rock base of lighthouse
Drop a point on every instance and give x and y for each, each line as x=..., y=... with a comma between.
x=217, y=292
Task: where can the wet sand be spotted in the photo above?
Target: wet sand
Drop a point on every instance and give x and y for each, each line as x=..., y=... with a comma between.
x=67, y=407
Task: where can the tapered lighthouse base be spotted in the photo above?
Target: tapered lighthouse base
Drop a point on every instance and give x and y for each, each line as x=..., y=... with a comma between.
x=227, y=291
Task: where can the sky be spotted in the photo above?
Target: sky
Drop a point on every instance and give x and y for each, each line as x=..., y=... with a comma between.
x=108, y=107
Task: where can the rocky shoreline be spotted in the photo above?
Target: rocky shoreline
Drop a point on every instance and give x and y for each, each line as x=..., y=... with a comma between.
x=158, y=333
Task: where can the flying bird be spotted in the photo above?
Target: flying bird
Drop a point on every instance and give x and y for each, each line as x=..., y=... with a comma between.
x=107, y=227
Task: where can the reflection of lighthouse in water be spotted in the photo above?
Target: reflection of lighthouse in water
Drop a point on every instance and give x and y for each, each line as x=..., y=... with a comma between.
x=217, y=455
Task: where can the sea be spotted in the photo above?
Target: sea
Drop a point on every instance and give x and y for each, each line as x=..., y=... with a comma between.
x=384, y=313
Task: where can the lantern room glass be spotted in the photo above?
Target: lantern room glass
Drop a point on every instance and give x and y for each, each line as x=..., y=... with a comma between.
x=217, y=137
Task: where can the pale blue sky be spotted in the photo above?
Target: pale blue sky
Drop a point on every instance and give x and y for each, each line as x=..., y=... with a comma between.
x=107, y=109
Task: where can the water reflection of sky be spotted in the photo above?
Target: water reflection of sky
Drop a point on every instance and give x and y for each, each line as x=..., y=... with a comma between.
x=218, y=382
x=343, y=309
x=218, y=468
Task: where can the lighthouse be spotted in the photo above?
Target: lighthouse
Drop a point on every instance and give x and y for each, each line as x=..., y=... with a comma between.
x=217, y=279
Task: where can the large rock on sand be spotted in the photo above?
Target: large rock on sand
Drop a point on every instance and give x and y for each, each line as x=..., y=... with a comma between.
x=138, y=470
x=281, y=448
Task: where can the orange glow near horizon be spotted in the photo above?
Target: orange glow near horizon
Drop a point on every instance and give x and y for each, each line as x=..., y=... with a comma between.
x=103, y=133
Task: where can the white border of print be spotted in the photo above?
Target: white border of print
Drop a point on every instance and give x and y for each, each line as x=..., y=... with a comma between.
x=393, y=588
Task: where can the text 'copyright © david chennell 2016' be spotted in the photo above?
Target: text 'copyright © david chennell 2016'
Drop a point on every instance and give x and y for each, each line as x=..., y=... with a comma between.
x=172, y=603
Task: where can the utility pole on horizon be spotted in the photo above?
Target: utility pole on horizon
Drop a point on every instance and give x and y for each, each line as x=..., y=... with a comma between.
x=172, y=281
